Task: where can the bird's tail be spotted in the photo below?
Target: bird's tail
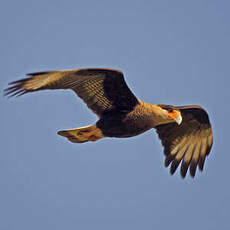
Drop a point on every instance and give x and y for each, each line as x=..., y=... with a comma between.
x=83, y=134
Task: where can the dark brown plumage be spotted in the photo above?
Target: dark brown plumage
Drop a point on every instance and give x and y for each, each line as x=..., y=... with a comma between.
x=190, y=141
x=185, y=131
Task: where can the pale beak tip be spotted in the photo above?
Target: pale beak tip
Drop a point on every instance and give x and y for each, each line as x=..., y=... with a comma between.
x=179, y=120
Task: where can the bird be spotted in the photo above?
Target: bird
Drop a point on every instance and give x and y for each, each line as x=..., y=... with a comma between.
x=185, y=131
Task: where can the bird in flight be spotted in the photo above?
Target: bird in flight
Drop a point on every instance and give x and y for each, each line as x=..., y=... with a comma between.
x=185, y=131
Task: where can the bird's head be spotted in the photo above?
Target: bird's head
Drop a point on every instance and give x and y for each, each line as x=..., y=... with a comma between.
x=171, y=114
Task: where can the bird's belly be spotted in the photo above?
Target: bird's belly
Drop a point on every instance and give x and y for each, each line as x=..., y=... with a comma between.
x=122, y=128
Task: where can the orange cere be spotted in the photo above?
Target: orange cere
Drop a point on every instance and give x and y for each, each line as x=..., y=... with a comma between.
x=174, y=114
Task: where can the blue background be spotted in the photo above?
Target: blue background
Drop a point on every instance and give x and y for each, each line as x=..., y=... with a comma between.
x=173, y=52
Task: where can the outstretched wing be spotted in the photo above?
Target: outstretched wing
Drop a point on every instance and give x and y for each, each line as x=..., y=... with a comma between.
x=190, y=141
x=101, y=89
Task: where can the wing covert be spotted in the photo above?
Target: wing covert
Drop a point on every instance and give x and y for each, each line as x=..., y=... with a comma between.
x=101, y=89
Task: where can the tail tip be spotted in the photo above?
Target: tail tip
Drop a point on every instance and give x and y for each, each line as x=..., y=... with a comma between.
x=62, y=133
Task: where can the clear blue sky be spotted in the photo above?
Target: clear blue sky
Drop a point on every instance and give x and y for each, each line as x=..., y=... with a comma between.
x=174, y=52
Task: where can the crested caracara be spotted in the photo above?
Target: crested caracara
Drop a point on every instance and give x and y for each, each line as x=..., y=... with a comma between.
x=185, y=131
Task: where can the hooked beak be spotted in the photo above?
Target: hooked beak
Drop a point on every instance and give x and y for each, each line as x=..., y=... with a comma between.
x=178, y=119
x=176, y=116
